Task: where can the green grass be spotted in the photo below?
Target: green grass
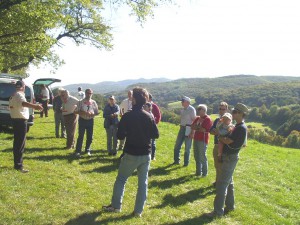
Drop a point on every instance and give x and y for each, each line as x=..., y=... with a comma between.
x=62, y=190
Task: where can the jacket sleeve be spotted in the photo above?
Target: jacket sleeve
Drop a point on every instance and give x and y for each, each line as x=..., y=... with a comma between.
x=121, y=133
x=154, y=130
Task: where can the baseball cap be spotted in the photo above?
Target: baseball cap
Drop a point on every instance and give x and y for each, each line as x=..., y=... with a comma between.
x=20, y=84
x=112, y=97
x=185, y=98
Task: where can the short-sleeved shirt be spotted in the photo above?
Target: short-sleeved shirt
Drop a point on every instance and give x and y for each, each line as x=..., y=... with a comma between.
x=188, y=115
x=88, y=106
x=69, y=106
x=206, y=123
x=126, y=105
x=45, y=94
x=156, y=112
x=17, y=111
x=238, y=135
x=80, y=95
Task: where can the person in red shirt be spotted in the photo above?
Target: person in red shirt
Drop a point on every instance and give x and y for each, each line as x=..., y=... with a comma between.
x=157, y=117
x=200, y=128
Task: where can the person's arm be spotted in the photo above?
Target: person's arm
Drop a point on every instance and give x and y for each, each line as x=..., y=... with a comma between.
x=33, y=106
x=226, y=140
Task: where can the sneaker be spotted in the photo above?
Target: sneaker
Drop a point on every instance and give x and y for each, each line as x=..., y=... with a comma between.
x=110, y=208
x=138, y=215
x=175, y=163
x=77, y=154
x=22, y=170
x=227, y=210
x=89, y=153
x=153, y=159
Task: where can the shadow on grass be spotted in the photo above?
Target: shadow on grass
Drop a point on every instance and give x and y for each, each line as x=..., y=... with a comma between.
x=69, y=157
x=182, y=199
x=197, y=220
x=161, y=171
x=31, y=150
x=166, y=184
x=91, y=219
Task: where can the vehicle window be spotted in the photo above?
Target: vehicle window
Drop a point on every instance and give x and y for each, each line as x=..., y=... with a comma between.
x=7, y=90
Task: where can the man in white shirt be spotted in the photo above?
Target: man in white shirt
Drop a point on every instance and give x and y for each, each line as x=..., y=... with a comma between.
x=125, y=106
x=80, y=94
x=19, y=113
x=45, y=96
x=188, y=114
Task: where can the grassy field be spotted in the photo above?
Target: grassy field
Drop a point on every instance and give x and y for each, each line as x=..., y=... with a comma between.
x=60, y=189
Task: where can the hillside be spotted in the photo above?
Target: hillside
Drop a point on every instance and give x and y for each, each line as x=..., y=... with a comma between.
x=109, y=86
x=60, y=189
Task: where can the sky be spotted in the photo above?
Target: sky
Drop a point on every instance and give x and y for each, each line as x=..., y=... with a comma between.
x=194, y=38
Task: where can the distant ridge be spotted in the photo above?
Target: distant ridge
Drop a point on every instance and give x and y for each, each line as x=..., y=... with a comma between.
x=113, y=86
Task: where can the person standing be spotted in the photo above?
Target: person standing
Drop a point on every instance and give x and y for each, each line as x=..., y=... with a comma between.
x=87, y=109
x=223, y=108
x=45, y=96
x=58, y=117
x=125, y=107
x=111, y=113
x=19, y=113
x=157, y=117
x=80, y=94
x=69, y=104
x=200, y=128
x=139, y=128
x=232, y=146
x=187, y=116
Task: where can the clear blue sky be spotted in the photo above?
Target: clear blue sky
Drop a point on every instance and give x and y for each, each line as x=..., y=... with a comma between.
x=196, y=38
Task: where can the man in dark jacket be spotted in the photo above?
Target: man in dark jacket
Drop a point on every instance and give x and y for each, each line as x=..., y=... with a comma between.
x=139, y=128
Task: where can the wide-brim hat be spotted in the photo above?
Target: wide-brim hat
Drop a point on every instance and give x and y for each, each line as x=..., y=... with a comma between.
x=227, y=115
x=241, y=108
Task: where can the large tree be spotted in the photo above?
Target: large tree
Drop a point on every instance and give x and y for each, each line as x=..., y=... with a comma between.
x=30, y=28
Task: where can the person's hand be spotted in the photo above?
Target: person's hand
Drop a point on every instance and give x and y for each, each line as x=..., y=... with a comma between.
x=38, y=107
x=214, y=131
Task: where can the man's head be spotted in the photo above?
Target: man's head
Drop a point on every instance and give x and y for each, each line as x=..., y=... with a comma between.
x=223, y=108
x=139, y=96
x=129, y=94
x=185, y=101
x=79, y=89
x=239, y=111
x=20, y=85
x=111, y=100
x=88, y=93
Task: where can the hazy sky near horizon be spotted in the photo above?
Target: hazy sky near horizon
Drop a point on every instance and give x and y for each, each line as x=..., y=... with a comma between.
x=195, y=38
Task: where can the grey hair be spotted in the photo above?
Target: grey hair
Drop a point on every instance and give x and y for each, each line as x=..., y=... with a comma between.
x=202, y=106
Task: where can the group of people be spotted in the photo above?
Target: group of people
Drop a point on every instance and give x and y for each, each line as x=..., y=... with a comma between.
x=195, y=127
x=135, y=122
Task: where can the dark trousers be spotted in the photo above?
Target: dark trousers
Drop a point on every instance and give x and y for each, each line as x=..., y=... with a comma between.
x=20, y=130
x=88, y=126
x=45, y=108
x=70, y=124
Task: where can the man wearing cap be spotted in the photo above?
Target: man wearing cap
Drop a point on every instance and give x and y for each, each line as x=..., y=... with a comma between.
x=19, y=113
x=187, y=116
x=232, y=145
x=87, y=109
x=111, y=120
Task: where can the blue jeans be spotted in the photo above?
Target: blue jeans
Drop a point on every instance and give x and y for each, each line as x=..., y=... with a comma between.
x=225, y=188
x=179, y=141
x=200, y=157
x=127, y=166
x=111, y=138
x=88, y=126
x=153, y=146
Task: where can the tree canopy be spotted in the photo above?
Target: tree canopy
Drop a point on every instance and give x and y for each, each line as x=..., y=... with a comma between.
x=29, y=29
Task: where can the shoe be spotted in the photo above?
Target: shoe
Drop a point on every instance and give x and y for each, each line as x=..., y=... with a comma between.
x=153, y=159
x=89, y=153
x=77, y=154
x=22, y=170
x=138, y=215
x=227, y=210
x=211, y=215
x=175, y=163
x=110, y=208
x=185, y=165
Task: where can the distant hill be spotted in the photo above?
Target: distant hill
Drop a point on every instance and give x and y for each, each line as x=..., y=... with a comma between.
x=173, y=90
x=111, y=86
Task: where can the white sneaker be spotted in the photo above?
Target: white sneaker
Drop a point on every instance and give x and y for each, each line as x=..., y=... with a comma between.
x=89, y=153
x=77, y=154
